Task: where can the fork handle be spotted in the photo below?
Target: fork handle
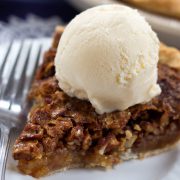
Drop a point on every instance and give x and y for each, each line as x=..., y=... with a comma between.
x=4, y=144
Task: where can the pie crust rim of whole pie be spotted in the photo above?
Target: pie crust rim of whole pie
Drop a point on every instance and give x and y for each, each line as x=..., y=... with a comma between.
x=169, y=8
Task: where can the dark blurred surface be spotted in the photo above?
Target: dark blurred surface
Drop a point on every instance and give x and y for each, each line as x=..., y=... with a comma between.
x=42, y=8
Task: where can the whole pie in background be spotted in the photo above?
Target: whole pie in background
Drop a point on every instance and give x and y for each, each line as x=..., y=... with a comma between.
x=164, y=7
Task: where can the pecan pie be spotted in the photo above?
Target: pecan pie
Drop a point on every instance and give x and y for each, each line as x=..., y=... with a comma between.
x=64, y=132
x=165, y=7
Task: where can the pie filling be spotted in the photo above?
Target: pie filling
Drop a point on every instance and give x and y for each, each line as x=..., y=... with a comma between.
x=103, y=151
x=64, y=132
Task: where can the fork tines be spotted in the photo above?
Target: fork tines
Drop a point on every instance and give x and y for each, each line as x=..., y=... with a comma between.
x=18, y=62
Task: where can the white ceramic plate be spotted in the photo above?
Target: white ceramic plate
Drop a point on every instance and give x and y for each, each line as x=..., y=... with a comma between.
x=165, y=166
x=168, y=29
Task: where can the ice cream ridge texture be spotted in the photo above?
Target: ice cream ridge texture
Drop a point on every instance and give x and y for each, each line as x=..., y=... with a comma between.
x=108, y=55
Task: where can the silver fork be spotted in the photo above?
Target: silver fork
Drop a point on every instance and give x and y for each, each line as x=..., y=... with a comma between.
x=18, y=61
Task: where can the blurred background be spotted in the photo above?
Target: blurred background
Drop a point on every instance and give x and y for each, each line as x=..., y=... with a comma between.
x=20, y=19
x=42, y=8
x=33, y=18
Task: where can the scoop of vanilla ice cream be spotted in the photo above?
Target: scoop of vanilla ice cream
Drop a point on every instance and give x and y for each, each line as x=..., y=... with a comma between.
x=108, y=55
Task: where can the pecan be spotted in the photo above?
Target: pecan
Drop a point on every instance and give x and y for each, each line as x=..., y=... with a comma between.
x=32, y=131
x=116, y=120
x=28, y=150
x=58, y=127
x=58, y=112
x=39, y=116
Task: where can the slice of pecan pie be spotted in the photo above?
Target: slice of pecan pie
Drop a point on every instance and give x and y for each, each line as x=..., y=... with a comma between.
x=64, y=132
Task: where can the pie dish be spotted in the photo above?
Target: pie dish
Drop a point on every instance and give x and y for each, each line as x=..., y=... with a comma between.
x=164, y=7
x=64, y=132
